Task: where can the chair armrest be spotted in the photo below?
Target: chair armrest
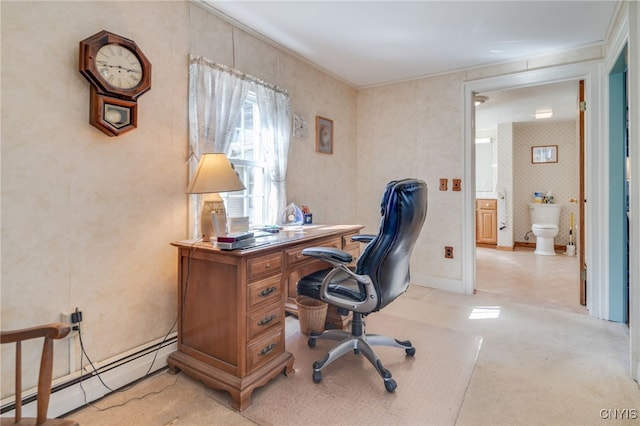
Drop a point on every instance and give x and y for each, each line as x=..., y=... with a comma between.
x=51, y=331
x=363, y=238
x=339, y=259
x=329, y=254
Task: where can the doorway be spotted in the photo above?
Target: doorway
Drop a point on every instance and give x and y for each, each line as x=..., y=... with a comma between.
x=595, y=211
x=510, y=125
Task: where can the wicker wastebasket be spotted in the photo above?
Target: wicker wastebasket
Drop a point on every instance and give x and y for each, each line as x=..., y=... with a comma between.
x=312, y=314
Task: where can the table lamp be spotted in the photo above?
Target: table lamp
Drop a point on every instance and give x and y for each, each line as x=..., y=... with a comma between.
x=214, y=174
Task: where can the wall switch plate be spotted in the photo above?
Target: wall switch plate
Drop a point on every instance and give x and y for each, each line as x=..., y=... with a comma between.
x=448, y=252
x=456, y=185
x=443, y=184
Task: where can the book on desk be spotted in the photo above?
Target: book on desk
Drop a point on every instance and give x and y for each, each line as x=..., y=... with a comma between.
x=235, y=240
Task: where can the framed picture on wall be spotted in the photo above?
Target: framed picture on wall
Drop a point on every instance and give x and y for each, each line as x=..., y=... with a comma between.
x=324, y=135
x=544, y=154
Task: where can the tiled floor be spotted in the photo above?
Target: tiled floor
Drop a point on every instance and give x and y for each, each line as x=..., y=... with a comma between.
x=524, y=277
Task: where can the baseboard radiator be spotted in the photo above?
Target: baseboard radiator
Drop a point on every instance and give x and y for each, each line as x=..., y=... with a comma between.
x=117, y=372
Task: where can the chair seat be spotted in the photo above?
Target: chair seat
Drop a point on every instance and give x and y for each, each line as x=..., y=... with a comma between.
x=341, y=285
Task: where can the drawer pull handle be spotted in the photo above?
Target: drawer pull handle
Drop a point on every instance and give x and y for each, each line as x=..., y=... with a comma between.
x=268, y=349
x=267, y=291
x=267, y=266
x=267, y=320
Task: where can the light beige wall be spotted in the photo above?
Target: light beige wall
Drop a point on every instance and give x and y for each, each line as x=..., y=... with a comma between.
x=561, y=178
x=504, y=185
x=416, y=129
x=87, y=219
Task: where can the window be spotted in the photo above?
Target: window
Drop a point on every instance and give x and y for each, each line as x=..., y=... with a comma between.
x=247, y=153
x=259, y=151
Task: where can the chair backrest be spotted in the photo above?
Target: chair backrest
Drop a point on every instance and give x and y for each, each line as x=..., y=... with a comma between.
x=386, y=258
x=49, y=332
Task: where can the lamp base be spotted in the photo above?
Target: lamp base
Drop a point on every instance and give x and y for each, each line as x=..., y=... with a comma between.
x=213, y=220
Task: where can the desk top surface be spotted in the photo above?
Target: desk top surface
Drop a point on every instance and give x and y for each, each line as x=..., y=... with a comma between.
x=287, y=236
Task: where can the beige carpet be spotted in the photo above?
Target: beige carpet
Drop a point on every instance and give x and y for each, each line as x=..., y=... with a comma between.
x=537, y=366
x=431, y=385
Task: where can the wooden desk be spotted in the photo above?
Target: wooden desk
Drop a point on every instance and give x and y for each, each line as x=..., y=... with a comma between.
x=231, y=307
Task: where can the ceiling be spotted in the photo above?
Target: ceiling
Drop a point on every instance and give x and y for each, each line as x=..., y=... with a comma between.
x=370, y=43
x=519, y=105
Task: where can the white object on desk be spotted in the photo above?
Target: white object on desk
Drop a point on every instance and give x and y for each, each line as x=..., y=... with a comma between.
x=238, y=224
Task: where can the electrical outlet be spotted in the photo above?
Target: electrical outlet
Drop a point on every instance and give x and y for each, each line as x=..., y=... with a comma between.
x=72, y=318
x=443, y=184
x=448, y=252
x=457, y=185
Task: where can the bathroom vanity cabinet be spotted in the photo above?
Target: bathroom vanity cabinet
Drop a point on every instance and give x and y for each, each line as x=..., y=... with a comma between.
x=486, y=221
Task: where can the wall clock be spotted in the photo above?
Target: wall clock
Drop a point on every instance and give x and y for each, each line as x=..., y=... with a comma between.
x=119, y=73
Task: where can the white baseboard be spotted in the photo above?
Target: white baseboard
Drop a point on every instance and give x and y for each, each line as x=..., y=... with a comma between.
x=116, y=372
x=440, y=283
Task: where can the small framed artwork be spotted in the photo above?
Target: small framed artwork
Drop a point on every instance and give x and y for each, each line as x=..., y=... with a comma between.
x=544, y=154
x=300, y=127
x=324, y=135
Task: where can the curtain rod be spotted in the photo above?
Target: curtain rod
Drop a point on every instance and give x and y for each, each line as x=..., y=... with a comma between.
x=200, y=60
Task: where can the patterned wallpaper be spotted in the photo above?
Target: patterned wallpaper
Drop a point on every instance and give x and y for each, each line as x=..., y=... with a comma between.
x=504, y=184
x=561, y=178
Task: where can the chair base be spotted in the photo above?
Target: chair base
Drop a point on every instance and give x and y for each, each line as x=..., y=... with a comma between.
x=359, y=342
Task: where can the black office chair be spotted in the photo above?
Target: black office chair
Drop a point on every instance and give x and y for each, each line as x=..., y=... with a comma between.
x=380, y=276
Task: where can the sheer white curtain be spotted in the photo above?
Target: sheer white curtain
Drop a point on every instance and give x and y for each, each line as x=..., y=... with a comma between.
x=275, y=121
x=216, y=96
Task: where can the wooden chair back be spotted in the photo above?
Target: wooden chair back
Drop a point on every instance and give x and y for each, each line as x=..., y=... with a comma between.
x=49, y=332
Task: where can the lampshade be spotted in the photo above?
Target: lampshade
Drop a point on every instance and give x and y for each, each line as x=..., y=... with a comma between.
x=214, y=174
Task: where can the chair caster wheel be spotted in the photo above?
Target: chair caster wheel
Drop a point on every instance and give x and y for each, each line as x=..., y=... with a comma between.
x=311, y=342
x=411, y=351
x=390, y=385
x=317, y=377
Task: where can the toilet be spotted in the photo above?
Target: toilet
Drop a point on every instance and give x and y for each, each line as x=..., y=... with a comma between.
x=545, y=219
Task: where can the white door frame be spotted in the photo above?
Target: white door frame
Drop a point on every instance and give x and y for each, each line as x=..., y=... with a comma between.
x=634, y=230
x=627, y=32
x=596, y=176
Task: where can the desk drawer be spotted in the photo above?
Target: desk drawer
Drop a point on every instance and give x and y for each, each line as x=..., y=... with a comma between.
x=294, y=255
x=264, y=265
x=264, y=292
x=355, y=254
x=349, y=245
x=265, y=349
x=264, y=320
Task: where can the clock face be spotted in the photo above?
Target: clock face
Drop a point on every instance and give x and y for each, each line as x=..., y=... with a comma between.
x=118, y=66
